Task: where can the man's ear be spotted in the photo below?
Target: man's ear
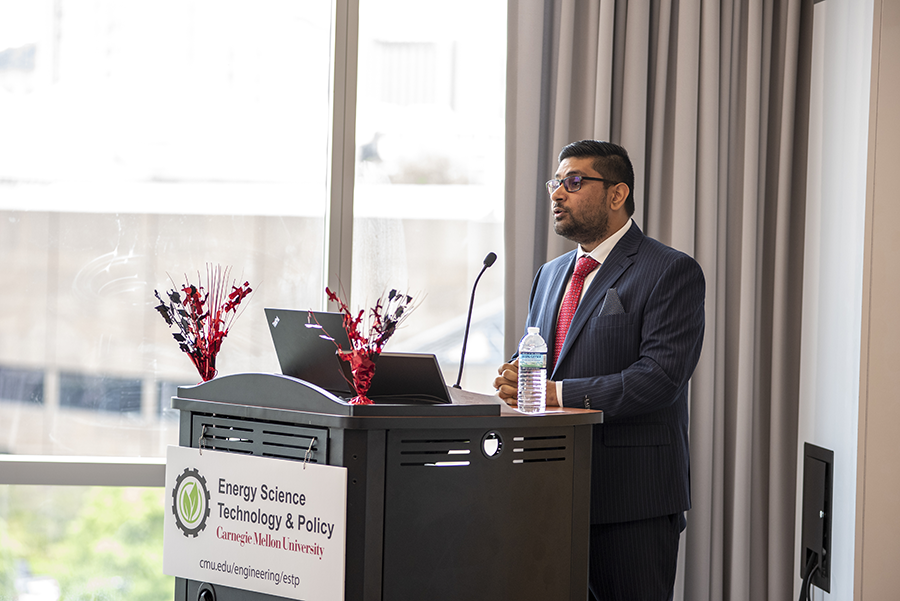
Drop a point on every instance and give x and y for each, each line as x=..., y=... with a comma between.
x=618, y=196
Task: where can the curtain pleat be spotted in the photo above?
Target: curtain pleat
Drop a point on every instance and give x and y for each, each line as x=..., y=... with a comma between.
x=710, y=99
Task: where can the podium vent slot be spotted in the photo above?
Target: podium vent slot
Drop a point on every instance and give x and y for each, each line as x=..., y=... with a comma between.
x=450, y=452
x=540, y=449
x=266, y=439
x=429, y=452
x=437, y=464
x=436, y=441
x=532, y=449
x=539, y=460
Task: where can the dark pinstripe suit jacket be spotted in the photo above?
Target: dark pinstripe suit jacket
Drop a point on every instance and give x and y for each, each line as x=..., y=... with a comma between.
x=632, y=361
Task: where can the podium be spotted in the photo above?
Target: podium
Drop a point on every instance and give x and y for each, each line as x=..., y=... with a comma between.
x=444, y=502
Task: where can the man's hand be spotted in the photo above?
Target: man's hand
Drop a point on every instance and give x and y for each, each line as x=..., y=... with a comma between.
x=552, y=400
x=507, y=386
x=507, y=383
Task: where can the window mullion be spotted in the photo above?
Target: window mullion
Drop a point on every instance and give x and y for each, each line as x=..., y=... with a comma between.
x=342, y=145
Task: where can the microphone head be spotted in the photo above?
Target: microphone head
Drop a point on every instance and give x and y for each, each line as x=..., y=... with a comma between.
x=489, y=259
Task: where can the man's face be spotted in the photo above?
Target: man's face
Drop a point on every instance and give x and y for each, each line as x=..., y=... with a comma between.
x=581, y=216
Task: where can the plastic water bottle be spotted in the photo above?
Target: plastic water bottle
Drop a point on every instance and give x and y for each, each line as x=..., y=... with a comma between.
x=532, y=395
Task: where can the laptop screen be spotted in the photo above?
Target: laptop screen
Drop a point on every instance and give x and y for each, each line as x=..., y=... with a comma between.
x=305, y=345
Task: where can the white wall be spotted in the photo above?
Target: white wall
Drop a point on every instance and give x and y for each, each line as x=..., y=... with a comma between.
x=833, y=267
x=877, y=555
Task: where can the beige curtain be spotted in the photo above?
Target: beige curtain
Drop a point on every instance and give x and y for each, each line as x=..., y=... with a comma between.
x=710, y=98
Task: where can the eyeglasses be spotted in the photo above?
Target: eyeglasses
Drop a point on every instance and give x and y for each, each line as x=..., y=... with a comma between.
x=571, y=183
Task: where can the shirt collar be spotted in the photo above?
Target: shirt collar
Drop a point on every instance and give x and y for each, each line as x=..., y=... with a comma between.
x=604, y=248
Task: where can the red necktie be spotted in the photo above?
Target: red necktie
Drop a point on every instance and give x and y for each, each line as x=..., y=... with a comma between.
x=585, y=265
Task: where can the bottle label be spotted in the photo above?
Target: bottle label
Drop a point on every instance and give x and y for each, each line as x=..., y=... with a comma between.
x=532, y=360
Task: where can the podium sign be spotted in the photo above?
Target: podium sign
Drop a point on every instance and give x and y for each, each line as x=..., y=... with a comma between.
x=266, y=525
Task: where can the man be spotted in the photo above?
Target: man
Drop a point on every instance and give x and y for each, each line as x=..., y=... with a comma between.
x=633, y=342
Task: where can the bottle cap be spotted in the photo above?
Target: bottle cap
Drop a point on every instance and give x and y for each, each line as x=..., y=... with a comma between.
x=534, y=330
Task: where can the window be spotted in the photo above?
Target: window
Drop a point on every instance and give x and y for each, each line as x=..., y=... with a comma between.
x=429, y=176
x=144, y=142
x=82, y=543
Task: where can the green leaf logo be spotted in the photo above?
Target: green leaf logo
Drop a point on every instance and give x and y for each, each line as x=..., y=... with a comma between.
x=190, y=503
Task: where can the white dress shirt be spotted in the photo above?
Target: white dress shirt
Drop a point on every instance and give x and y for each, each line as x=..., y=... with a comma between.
x=600, y=255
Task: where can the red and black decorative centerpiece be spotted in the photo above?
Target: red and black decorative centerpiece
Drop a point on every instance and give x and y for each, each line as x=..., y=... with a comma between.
x=203, y=315
x=368, y=336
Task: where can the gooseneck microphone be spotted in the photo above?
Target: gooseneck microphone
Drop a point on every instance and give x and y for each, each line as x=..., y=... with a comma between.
x=488, y=261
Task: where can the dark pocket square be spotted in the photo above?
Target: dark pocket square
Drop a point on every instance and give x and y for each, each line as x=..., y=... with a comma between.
x=611, y=304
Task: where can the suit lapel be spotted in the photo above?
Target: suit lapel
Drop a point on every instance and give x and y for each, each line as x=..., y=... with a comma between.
x=619, y=260
x=558, y=285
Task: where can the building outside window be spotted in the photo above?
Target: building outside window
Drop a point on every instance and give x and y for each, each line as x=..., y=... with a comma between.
x=142, y=142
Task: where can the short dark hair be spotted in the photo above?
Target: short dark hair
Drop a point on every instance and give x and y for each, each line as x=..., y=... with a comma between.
x=610, y=160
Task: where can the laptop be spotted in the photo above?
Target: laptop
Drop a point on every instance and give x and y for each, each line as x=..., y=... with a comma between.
x=305, y=345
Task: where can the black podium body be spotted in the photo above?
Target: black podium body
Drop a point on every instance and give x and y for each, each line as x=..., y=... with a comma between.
x=430, y=514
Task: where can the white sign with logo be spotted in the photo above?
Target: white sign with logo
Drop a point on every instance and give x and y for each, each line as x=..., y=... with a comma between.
x=267, y=525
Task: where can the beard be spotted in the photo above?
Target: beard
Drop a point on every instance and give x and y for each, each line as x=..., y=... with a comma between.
x=590, y=227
